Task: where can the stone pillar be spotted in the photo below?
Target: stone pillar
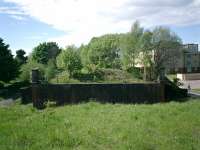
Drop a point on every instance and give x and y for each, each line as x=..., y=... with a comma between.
x=35, y=76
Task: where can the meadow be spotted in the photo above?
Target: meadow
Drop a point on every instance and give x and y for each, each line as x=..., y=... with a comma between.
x=164, y=126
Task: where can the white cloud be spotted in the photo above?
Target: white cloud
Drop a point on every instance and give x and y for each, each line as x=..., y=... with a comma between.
x=13, y=12
x=83, y=19
x=17, y=17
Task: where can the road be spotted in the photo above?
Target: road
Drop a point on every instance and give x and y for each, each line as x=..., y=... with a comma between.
x=194, y=84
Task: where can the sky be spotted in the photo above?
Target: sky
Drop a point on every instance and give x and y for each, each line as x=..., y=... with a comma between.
x=26, y=23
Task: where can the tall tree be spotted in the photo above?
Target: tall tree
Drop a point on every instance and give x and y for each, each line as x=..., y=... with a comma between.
x=104, y=51
x=20, y=57
x=45, y=51
x=69, y=60
x=50, y=70
x=9, y=68
x=130, y=44
x=145, y=51
x=167, y=45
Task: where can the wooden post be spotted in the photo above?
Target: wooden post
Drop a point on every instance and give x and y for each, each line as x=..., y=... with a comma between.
x=162, y=83
x=37, y=98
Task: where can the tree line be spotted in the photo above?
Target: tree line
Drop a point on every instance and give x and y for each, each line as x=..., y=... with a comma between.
x=151, y=49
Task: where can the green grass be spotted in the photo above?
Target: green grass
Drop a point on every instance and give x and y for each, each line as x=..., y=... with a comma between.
x=170, y=126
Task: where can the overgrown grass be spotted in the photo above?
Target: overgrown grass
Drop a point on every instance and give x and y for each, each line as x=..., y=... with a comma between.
x=171, y=126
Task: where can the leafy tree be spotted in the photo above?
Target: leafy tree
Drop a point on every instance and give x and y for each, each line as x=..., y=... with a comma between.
x=104, y=51
x=45, y=51
x=69, y=60
x=27, y=67
x=129, y=45
x=50, y=70
x=20, y=57
x=145, y=51
x=9, y=68
x=84, y=54
x=166, y=46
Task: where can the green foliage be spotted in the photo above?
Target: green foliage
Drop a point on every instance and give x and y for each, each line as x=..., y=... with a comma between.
x=152, y=51
x=103, y=52
x=166, y=46
x=50, y=70
x=45, y=51
x=170, y=126
x=26, y=69
x=165, y=34
x=118, y=76
x=20, y=58
x=84, y=55
x=63, y=77
x=90, y=75
x=129, y=45
x=145, y=51
x=9, y=67
x=69, y=60
x=135, y=72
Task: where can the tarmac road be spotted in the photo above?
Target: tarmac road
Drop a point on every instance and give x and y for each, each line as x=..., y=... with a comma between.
x=194, y=84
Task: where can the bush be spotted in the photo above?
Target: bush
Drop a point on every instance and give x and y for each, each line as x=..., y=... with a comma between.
x=136, y=72
x=50, y=70
x=93, y=76
x=69, y=60
x=26, y=70
x=63, y=77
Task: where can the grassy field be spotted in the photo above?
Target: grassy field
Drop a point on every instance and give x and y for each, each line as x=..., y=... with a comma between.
x=170, y=126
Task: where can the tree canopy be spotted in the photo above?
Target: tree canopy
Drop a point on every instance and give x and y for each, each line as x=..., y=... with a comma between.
x=45, y=51
x=139, y=52
x=103, y=51
x=20, y=57
x=69, y=60
x=130, y=45
x=166, y=46
x=9, y=68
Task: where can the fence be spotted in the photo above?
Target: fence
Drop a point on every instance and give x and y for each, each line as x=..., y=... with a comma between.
x=76, y=93
x=113, y=93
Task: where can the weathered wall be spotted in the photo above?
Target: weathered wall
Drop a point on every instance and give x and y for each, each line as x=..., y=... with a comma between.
x=114, y=93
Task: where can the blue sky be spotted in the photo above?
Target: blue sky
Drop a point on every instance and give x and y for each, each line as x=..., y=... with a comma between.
x=25, y=24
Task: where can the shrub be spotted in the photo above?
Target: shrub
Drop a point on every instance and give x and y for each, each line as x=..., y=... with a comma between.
x=63, y=77
x=136, y=72
x=69, y=60
x=26, y=69
x=50, y=70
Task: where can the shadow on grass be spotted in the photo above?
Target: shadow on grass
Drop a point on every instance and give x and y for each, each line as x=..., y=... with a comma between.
x=12, y=91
